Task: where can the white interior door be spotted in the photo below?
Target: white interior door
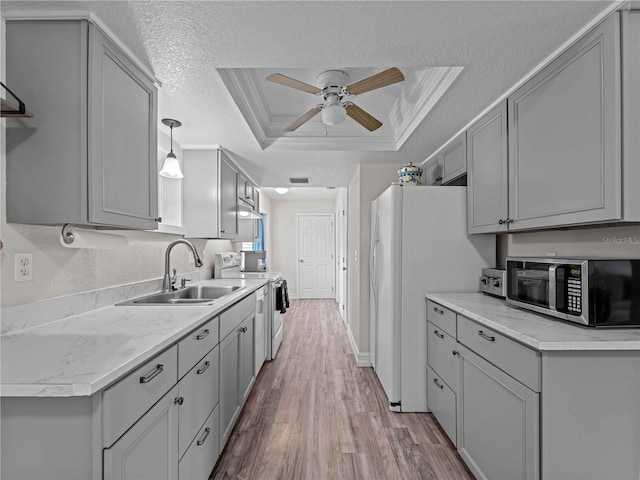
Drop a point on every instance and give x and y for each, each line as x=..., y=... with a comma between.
x=316, y=264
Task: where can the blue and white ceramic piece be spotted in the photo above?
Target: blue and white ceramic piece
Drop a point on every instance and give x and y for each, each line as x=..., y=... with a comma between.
x=410, y=175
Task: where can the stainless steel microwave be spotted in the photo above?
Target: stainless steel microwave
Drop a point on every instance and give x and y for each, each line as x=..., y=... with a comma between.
x=592, y=292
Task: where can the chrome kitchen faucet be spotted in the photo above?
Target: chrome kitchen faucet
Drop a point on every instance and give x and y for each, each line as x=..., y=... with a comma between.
x=168, y=281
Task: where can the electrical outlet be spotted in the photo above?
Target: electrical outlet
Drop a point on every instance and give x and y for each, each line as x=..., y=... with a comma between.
x=23, y=267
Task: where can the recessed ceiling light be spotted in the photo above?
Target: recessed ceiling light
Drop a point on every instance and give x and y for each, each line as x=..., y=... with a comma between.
x=281, y=190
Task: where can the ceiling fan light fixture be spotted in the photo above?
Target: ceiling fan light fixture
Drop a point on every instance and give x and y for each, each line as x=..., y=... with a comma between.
x=333, y=114
x=281, y=190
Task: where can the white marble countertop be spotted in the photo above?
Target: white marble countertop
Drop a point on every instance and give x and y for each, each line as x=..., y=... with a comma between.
x=81, y=354
x=537, y=331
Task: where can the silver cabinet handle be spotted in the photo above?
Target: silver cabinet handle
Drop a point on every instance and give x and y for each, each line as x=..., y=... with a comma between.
x=437, y=310
x=200, y=371
x=455, y=352
x=439, y=385
x=204, y=436
x=501, y=221
x=158, y=219
x=486, y=337
x=179, y=401
x=438, y=179
x=438, y=334
x=242, y=330
x=152, y=374
x=202, y=334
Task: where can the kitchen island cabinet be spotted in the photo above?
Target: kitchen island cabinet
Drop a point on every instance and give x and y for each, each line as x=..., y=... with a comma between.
x=538, y=398
x=93, y=137
x=127, y=392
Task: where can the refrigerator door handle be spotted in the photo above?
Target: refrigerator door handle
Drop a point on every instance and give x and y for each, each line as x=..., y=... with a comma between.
x=373, y=257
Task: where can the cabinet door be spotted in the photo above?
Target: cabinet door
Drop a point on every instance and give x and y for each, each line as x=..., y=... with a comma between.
x=247, y=357
x=564, y=137
x=487, y=194
x=149, y=450
x=229, y=381
x=498, y=420
x=228, y=199
x=432, y=172
x=122, y=139
x=454, y=158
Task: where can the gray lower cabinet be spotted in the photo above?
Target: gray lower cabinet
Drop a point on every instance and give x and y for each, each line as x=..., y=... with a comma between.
x=210, y=195
x=498, y=422
x=149, y=450
x=93, y=137
x=564, y=137
x=487, y=173
x=236, y=373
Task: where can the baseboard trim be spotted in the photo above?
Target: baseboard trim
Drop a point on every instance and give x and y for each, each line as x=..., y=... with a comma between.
x=363, y=359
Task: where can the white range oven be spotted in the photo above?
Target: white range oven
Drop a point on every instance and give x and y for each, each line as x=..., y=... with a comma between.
x=227, y=265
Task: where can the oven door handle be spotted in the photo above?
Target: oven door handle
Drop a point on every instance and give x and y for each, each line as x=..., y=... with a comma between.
x=552, y=287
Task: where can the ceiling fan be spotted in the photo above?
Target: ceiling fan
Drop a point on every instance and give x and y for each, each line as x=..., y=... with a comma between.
x=333, y=88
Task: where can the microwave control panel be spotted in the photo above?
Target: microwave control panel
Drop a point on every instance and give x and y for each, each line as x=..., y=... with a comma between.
x=574, y=289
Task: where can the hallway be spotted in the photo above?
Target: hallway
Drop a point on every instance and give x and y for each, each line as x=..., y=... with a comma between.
x=313, y=414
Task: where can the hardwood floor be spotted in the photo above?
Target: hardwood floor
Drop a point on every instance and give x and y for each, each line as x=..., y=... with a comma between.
x=313, y=414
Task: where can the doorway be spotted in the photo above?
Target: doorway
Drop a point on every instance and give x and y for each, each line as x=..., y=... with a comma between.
x=316, y=256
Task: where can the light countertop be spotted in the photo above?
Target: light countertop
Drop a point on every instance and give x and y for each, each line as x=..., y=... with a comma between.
x=536, y=331
x=82, y=354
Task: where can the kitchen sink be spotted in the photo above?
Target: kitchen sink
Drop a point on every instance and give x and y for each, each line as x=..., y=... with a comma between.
x=184, y=296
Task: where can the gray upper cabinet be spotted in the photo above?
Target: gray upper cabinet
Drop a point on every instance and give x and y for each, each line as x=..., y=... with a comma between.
x=228, y=199
x=210, y=195
x=564, y=137
x=448, y=164
x=454, y=158
x=89, y=154
x=487, y=194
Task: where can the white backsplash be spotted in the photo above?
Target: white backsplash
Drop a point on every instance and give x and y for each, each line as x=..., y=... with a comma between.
x=28, y=315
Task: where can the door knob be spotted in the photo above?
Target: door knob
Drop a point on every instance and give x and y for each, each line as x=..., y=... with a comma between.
x=301, y=261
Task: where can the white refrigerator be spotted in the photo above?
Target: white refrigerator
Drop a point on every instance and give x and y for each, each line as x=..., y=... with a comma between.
x=419, y=244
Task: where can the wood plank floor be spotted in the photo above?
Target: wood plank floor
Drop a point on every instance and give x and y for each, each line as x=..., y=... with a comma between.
x=313, y=414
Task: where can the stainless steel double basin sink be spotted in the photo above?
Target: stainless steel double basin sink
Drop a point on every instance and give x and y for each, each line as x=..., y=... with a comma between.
x=184, y=296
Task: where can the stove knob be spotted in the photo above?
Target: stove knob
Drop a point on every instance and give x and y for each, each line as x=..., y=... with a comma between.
x=496, y=283
x=484, y=280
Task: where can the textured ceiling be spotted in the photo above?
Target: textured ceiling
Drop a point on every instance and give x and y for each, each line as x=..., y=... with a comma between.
x=184, y=42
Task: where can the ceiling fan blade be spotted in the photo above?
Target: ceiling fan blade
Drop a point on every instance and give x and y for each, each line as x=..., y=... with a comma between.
x=303, y=119
x=363, y=118
x=293, y=83
x=379, y=80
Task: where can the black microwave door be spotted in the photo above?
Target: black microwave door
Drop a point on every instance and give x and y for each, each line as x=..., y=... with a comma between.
x=615, y=290
x=528, y=282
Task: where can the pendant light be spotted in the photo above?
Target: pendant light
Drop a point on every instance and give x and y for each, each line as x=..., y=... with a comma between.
x=171, y=166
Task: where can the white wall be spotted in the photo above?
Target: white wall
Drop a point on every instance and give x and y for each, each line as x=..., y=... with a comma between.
x=283, y=222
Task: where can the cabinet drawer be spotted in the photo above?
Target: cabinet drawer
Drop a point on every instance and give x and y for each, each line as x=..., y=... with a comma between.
x=442, y=317
x=196, y=345
x=521, y=362
x=441, y=356
x=202, y=454
x=442, y=403
x=233, y=317
x=199, y=393
x=126, y=401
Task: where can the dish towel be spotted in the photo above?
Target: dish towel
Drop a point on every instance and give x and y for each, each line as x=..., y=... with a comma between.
x=282, y=299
